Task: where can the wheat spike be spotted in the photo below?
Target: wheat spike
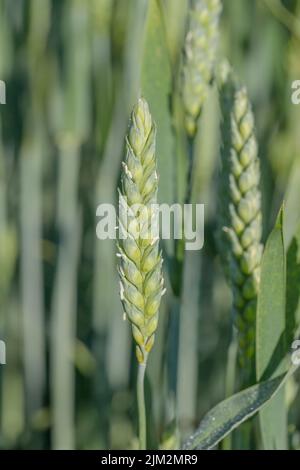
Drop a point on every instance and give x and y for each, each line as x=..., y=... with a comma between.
x=241, y=208
x=140, y=266
x=199, y=58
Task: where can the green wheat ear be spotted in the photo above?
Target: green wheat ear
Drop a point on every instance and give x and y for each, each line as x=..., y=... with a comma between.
x=199, y=58
x=240, y=204
x=140, y=265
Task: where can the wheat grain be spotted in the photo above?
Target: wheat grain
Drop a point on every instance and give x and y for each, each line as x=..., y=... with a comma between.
x=199, y=58
x=241, y=208
x=141, y=261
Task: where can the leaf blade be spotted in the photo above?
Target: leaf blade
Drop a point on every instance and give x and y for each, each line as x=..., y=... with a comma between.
x=230, y=413
x=293, y=287
x=156, y=82
x=270, y=335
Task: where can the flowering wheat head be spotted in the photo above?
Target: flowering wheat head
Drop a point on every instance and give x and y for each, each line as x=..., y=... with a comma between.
x=140, y=265
x=199, y=58
x=241, y=208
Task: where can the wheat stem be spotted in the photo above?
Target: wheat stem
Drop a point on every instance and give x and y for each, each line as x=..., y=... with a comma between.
x=141, y=406
x=190, y=152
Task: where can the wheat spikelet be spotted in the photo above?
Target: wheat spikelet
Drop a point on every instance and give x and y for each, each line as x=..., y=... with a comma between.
x=199, y=58
x=140, y=266
x=241, y=209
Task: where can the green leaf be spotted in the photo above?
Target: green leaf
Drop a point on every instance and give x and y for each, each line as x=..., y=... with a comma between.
x=293, y=288
x=156, y=88
x=230, y=413
x=175, y=16
x=292, y=207
x=270, y=335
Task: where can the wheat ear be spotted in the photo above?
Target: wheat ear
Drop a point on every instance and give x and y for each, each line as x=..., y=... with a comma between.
x=140, y=266
x=199, y=58
x=241, y=209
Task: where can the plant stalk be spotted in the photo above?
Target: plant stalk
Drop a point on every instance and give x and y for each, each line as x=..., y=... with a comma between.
x=190, y=153
x=230, y=380
x=141, y=405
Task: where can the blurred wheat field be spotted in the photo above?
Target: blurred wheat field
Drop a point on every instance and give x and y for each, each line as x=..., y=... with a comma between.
x=73, y=70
